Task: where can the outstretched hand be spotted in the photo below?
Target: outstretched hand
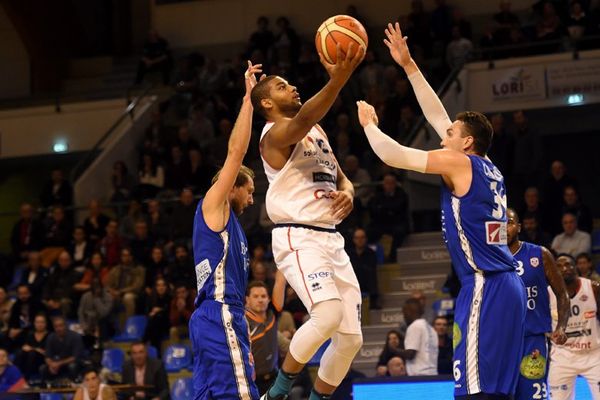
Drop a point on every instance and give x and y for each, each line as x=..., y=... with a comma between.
x=345, y=64
x=366, y=114
x=397, y=45
x=250, y=77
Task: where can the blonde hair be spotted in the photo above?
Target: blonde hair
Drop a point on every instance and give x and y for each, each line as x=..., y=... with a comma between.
x=243, y=177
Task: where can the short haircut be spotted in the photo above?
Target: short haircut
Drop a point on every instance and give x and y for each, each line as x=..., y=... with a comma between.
x=567, y=255
x=243, y=176
x=89, y=370
x=412, y=301
x=587, y=256
x=440, y=317
x=138, y=343
x=260, y=92
x=478, y=126
x=256, y=284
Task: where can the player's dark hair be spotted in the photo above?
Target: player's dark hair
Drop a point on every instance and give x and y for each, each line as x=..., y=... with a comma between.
x=243, y=176
x=89, y=370
x=570, y=257
x=478, y=126
x=256, y=284
x=515, y=214
x=260, y=92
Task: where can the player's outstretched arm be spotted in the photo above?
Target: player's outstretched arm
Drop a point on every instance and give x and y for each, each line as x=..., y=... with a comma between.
x=596, y=289
x=563, y=303
x=291, y=131
x=216, y=206
x=432, y=107
x=343, y=198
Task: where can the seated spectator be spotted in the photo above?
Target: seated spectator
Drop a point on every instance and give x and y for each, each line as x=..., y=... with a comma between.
x=151, y=177
x=219, y=147
x=21, y=316
x=33, y=352
x=504, y=21
x=176, y=169
x=185, y=84
x=26, y=235
x=358, y=175
x=532, y=232
x=64, y=351
x=388, y=210
x=143, y=370
x=122, y=183
x=200, y=174
x=182, y=219
x=156, y=56
x=572, y=241
x=96, y=269
x=201, y=128
x=92, y=388
x=553, y=192
x=502, y=145
x=185, y=141
x=57, y=236
x=421, y=341
x=59, y=286
x=534, y=207
x=95, y=313
x=57, y=192
x=458, y=50
x=127, y=223
x=408, y=120
x=364, y=262
x=394, y=343
x=158, y=222
x=157, y=135
x=445, y=351
x=577, y=22
x=549, y=24
x=125, y=282
x=155, y=269
x=157, y=308
x=181, y=271
x=396, y=367
x=585, y=267
x=6, y=304
x=11, y=379
x=95, y=223
x=572, y=204
x=261, y=39
x=111, y=244
x=182, y=307
x=34, y=275
x=141, y=244
x=80, y=249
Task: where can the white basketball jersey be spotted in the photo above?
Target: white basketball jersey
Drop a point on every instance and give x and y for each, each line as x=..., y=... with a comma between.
x=583, y=328
x=300, y=191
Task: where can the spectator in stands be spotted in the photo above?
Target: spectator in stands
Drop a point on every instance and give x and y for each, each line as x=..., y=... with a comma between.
x=95, y=223
x=157, y=308
x=420, y=342
x=181, y=271
x=388, y=210
x=262, y=39
x=182, y=219
x=156, y=56
x=142, y=243
x=92, y=388
x=342, y=146
x=125, y=282
x=458, y=50
x=27, y=234
x=572, y=204
x=122, y=183
x=534, y=207
x=218, y=151
x=11, y=379
x=158, y=222
x=464, y=26
x=549, y=26
x=21, y=316
x=445, y=352
x=502, y=146
x=527, y=154
x=553, y=192
x=57, y=192
x=127, y=223
x=585, y=267
x=151, y=177
x=33, y=352
x=185, y=85
x=157, y=135
x=177, y=167
x=359, y=176
x=182, y=307
x=95, y=269
x=396, y=367
x=286, y=45
x=143, y=370
x=532, y=232
x=95, y=312
x=400, y=96
x=428, y=312
x=200, y=173
x=59, y=286
x=371, y=73
x=155, y=269
x=111, y=244
x=577, y=23
x=34, y=275
x=80, y=249
x=364, y=262
x=201, y=128
x=408, y=119
x=64, y=351
x=57, y=237
x=504, y=21
x=6, y=304
x=394, y=344
x=572, y=241
x=185, y=141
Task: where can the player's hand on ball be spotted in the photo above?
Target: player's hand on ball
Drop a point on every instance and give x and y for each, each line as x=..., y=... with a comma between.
x=342, y=204
x=345, y=63
x=397, y=44
x=366, y=114
x=250, y=76
x=558, y=336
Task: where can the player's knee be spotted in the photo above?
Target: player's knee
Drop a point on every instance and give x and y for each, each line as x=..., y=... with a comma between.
x=327, y=316
x=349, y=344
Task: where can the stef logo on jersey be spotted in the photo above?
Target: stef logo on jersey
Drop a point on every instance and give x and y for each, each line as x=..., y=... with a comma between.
x=534, y=261
x=495, y=232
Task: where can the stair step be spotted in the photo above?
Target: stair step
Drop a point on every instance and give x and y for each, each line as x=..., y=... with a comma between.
x=386, y=316
x=377, y=332
x=410, y=282
x=424, y=239
x=422, y=253
x=397, y=299
x=418, y=268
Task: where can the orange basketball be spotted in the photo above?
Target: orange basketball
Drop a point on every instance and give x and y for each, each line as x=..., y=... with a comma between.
x=341, y=29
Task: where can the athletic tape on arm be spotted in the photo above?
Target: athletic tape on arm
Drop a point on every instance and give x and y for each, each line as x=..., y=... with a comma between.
x=432, y=107
x=393, y=153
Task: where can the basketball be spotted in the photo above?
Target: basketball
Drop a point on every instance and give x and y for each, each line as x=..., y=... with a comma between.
x=341, y=29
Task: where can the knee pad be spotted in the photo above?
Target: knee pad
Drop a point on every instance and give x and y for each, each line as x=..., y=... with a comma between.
x=338, y=357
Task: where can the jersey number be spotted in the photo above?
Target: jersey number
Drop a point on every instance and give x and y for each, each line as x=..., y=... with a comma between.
x=540, y=391
x=457, y=374
x=520, y=269
x=499, y=200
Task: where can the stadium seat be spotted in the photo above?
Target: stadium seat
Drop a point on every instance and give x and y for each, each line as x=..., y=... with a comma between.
x=113, y=359
x=177, y=357
x=316, y=359
x=443, y=307
x=379, y=253
x=51, y=396
x=135, y=327
x=596, y=241
x=182, y=389
x=152, y=352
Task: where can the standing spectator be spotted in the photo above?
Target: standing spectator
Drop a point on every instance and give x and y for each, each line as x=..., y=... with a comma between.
x=6, y=304
x=158, y=222
x=182, y=307
x=396, y=367
x=94, y=312
x=122, y=183
x=11, y=379
x=95, y=223
x=504, y=21
x=527, y=154
x=57, y=237
x=155, y=269
x=80, y=249
x=577, y=22
x=572, y=241
x=585, y=267
x=572, y=204
x=151, y=177
x=549, y=25
x=27, y=234
x=158, y=306
x=92, y=388
x=57, y=192
x=156, y=56
x=532, y=232
x=406, y=124
x=457, y=51
x=21, y=316
x=141, y=244
x=127, y=223
x=371, y=74
x=364, y=262
x=125, y=282
x=96, y=269
x=218, y=151
x=421, y=341
x=262, y=39
x=428, y=313
x=389, y=213
x=444, y=361
x=64, y=350
x=182, y=219
x=59, y=286
x=34, y=275
x=142, y=370
x=502, y=146
x=553, y=192
x=111, y=244
x=394, y=344
x=33, y=352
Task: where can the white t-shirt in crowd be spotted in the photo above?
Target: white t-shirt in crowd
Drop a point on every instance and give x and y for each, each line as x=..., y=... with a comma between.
x=421, y=337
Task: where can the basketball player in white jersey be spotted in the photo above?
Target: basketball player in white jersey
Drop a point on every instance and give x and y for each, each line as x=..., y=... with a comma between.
x=93, y=389
x=580, y=355
x=308, y=195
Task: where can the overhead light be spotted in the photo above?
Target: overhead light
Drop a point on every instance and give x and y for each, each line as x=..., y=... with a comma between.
x=60, y=146
x=574, y=99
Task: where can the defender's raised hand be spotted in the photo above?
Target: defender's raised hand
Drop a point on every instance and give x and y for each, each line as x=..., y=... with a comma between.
x=366, y=114
x=250, y=77
x=345, y=63
x=397, y=45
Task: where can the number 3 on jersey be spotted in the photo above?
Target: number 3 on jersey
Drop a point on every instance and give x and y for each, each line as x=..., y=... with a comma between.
x=499, y=200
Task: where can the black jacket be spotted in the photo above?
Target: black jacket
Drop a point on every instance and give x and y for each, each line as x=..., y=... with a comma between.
x=154, y=375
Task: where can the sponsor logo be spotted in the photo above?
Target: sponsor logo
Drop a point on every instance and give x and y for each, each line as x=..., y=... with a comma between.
x=533, y=366
x=419, y=285
x=322, y=194
x=203, y=271
x=534, y=261
x=320, y=275
x=391, y=317
x=434, y=255
x=589, y=314
x=495, y=232
x=456, y=335
x=493, y=173
x=316, y=286
x=323, y=177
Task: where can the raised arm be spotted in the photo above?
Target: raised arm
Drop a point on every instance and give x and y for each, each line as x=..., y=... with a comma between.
x=557, y=284
x=215, y=206
x=432, y=107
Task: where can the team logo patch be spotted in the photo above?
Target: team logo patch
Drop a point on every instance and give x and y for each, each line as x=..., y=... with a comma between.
x=533, y=366
x=495, y=232
x=456, y=335
x=534, y=261
x=203, y=271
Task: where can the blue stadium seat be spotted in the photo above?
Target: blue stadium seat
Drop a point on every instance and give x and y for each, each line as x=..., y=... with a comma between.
x=113, y=359
x=135, y=327
x=316, y=359
x=51, y=396
x=177, y=357
x=152, y=352
x=379, y=252
x=443, y=307
x=182, y=389
x=16, y=279
x=596, y=241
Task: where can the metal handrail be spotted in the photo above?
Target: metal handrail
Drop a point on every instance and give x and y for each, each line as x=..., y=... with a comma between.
x=87, y=158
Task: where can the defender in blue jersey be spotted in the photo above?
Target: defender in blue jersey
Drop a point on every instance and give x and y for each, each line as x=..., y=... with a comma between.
x=537, y=269
x=218, y=329
x=490, y=308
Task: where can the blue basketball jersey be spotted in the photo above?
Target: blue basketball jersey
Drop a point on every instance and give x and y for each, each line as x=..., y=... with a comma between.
x=530, y=267
x=221, y=260
x=474, y=225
